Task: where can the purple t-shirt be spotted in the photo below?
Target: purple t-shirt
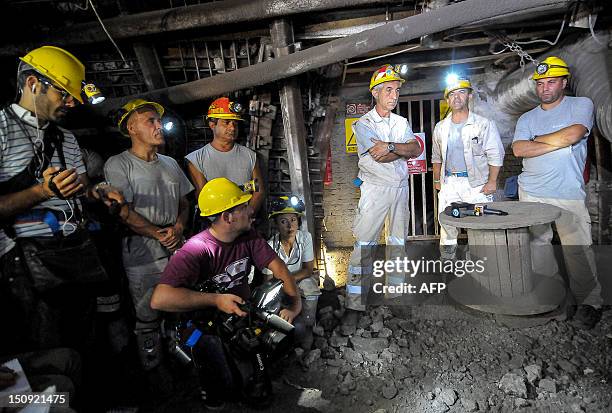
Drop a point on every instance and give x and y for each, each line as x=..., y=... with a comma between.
x=204, y=256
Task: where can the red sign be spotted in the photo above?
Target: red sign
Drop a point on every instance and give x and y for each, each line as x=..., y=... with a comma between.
x=358, y=109
x=418, y=165
x=328, y=169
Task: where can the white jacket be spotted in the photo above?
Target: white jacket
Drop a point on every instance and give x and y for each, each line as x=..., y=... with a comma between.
x=371, y=125
x=482, y=147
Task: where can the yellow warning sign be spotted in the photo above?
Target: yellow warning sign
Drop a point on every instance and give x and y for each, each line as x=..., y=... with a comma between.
x=350, y=139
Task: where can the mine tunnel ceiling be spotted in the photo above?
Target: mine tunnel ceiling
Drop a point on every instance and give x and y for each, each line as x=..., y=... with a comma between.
x=466, y=49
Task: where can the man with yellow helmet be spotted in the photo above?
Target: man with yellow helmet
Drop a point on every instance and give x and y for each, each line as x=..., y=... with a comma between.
x=552, y=140
x=467, y=154
x=223, y=157
x=42, y=177
x=156, y=213
x=223, y=254
x=384, y=143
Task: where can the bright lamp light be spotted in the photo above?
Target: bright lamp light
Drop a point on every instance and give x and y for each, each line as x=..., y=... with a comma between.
x=452, y=78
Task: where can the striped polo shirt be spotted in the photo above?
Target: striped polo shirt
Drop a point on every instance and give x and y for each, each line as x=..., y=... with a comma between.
x=16, y=152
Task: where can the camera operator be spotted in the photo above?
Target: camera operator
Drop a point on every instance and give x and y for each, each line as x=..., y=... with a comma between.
x=222, y=254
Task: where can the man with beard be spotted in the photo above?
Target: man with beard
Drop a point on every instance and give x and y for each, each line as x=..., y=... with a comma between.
x=221, y=254
x=552, y=140
x=384, y=142
x=223, y=157
x=47, y=258
x=467, y=154
x=156, y=213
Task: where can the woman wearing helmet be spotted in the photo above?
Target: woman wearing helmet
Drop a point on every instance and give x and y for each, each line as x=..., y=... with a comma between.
x=294, y=247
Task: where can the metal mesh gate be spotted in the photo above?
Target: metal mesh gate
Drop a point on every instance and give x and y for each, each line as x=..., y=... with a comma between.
x=422, y=113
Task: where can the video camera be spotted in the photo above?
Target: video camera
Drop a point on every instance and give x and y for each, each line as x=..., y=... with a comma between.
x=259, y=336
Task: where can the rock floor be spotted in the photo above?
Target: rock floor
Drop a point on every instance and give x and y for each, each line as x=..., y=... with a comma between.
x=435, y=359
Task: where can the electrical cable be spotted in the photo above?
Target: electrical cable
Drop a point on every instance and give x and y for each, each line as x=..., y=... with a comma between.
x=67, y=219
x=382, y=56
x=278, y=247
x=544, y=40
x=107, y=33
x=501, y=51
x=593, y=31
x=38, y=141
x=40, y=157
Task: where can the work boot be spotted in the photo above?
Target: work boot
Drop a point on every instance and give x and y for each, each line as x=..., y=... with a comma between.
x=349, y=322
x=448, y=252
x=586, y=316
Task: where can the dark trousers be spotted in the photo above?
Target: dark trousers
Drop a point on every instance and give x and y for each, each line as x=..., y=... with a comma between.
x=215, y=369
x=60, y=317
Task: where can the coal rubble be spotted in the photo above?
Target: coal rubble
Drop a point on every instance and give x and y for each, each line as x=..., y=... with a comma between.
x=447, y=359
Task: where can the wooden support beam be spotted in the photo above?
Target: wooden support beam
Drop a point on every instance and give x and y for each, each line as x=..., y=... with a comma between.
x=293, y=124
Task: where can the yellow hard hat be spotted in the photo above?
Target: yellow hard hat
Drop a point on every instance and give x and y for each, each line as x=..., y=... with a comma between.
x=220, y=194
x=125, y=111
x=223, y=108
x=287, y=205
x=459, y=83
x=384, y=74
x=60, y=66
x=552, y=66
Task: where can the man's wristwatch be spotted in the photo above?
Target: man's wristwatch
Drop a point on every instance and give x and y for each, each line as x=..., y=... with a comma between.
x=391, y=147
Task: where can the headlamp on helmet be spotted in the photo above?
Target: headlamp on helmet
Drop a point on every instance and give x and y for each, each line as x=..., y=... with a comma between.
x=92, y=93
x=542, y=68
x=235, y=107
x=455, y=82
x=250, y=186
x=291, y=204
x=223, y=108
x=386, y=73
x=451, y=79
x=552, y=66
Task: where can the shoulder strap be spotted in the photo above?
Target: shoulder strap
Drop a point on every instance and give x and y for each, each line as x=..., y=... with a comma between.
x=55, y=136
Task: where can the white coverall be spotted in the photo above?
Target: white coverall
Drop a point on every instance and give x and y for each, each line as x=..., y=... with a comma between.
x=482, y=147
x=384, y=196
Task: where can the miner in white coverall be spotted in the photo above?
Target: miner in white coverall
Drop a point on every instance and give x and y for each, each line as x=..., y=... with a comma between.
x=467, y=154
x=384, y=142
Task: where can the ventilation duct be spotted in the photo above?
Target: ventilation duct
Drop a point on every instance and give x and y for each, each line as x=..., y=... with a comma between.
x=590, y=62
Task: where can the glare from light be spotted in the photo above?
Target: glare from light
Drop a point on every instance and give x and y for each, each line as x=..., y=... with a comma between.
x=403, y=69
x=168, y=126
x=294, y=200
x=451, y=79
x=97, y=99
x=271, y=295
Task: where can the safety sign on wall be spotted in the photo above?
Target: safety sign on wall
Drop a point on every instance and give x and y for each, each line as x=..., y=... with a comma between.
x=349, y=136
x=358, y=109
x=418, y=165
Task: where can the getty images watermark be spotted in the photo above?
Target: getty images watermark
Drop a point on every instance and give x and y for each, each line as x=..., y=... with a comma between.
x=390, y=276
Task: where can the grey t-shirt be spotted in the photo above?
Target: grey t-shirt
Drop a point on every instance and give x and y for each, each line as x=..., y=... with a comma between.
x=154, y=189
x=455, y=159
x=236, y=165
x=556, y=174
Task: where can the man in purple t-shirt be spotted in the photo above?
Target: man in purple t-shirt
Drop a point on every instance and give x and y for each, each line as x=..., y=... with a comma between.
x=224, y=253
